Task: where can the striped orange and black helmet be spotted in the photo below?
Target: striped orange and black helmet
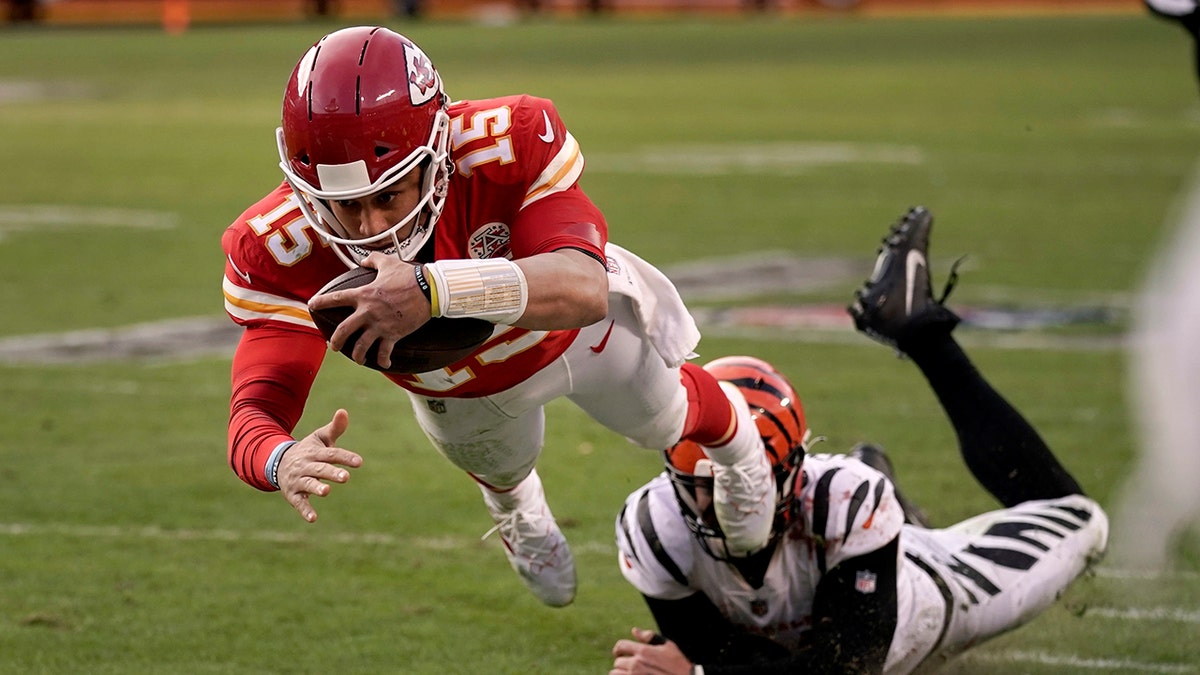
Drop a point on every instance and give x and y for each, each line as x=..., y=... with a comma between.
x=777, y=411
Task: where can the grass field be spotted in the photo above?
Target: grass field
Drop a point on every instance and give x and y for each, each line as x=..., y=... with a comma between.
x=1052, y=150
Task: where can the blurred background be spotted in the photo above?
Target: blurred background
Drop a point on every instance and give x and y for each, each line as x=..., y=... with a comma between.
x=756, y=152
x=179, y=13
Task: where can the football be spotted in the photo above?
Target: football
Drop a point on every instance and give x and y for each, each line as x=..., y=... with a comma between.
x=436, y=344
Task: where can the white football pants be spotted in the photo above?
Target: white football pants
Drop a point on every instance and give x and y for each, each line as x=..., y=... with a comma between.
x=626, y=386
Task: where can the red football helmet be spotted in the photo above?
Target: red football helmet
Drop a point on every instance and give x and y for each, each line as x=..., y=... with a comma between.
x=780, y=418
x=363, y=108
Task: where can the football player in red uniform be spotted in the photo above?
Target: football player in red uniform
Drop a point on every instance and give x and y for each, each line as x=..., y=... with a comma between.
x=465, y=209
x=853, y=580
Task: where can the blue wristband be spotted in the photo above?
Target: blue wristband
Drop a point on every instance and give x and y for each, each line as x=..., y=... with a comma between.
x=272, y=467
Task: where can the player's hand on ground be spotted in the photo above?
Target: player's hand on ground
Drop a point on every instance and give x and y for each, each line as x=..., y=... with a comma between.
x=387, y=309
x=313, y=459
x=646, y=655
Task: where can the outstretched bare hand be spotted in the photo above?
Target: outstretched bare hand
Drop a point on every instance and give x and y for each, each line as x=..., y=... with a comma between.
x=313, y=459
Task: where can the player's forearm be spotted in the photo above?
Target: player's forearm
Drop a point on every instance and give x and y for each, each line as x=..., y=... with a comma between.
x=694, y=624
x=557, y=290
x=253, y=436
x=273, y=371
x=567, y=289
x=262, y=414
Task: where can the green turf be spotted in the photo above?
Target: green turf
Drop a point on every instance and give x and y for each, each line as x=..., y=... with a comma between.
x=1050, y=149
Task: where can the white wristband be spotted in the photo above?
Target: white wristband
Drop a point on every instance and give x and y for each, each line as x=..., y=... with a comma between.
x=493, y=289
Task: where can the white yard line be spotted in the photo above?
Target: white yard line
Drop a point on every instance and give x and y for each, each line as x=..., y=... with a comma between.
x=42, y=218
x=1144, y=614
x=1083, y=663
x=153, y=532
x=460, y=542
x=1145, y=575
x=750, y=158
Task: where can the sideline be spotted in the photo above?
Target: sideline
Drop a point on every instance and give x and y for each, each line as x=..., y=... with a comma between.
x=185, y=13
x=739, y=280
x=182, y=340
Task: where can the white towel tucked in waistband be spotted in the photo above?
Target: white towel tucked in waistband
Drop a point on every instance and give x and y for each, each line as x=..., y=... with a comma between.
x=659, y=309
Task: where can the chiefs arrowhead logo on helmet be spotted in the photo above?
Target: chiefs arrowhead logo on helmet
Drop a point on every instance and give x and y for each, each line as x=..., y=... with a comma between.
x=364, y=108
x=422, y=78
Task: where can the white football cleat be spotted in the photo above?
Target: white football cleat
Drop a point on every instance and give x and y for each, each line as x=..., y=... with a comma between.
x=533, y=542
x=743, y=483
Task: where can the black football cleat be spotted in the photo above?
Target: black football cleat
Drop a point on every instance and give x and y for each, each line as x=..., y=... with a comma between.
x=874, y=457
x=896, y=303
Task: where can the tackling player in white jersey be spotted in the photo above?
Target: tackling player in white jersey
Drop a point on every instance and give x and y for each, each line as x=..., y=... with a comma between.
x=853, y=581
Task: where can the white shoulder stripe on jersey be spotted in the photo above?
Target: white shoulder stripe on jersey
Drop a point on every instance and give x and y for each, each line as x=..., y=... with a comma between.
x=244, y=304
x=560, y=174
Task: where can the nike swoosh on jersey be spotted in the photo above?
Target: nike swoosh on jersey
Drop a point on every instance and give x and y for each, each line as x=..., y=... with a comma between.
x=548, y=136
x=912, y=264
x=244, y=275
x=597, y=348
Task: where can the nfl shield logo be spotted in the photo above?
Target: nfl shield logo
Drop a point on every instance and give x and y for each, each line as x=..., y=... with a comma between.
x=436, y=406
x=758, y=607
x=864, y=582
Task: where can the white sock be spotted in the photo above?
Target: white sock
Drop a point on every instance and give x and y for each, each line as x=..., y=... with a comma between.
x=528, y=491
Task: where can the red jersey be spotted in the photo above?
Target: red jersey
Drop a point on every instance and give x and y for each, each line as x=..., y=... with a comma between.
x=514, y=193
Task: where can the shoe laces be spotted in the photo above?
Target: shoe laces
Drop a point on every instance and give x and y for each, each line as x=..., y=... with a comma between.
x=951, y=280
x=510, y=529
x=737, y=474
x=507, y=523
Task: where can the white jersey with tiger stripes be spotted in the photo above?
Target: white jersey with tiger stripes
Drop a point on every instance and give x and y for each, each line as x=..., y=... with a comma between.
x=955, y=586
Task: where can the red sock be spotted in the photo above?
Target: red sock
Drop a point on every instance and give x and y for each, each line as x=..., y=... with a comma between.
x=710, y=420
